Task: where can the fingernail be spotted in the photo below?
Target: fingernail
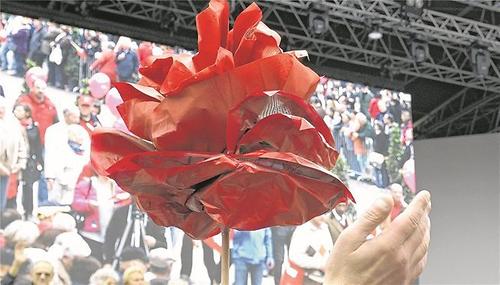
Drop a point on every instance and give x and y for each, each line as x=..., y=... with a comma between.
x=426, y=195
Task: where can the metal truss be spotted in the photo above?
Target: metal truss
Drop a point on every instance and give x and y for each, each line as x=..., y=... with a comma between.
x=450, y=36
x=496, y=126
x=467, y=112
x=346, y=40
x=489, y=5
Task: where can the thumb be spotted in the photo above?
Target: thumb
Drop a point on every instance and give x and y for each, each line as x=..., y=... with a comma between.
x=376, y=214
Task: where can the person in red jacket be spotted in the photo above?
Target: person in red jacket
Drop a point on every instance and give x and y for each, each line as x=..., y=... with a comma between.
x=95, y=199
x=106, y=63
x=373, y=108
x=145, y=53
x=43, y=110
x=399, y=202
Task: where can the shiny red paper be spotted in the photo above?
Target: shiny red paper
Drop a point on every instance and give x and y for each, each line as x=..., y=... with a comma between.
x=224, y=138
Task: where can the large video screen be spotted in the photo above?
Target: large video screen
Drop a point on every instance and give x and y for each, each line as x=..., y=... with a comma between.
x=56, y=89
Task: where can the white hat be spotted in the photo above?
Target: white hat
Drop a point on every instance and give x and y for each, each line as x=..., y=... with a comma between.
x=63, y=221
x=69, y=244
x=21, y=231
x=36, y=254
x=161, y=257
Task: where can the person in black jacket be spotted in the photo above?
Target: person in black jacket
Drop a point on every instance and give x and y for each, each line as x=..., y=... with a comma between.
x=409, y=151
x=381, y=147
x=33, y=169
x=380, y=139
x=59, y=39
x=35, y=51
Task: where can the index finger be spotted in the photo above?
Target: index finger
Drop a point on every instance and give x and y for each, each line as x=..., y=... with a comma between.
x=407, y=222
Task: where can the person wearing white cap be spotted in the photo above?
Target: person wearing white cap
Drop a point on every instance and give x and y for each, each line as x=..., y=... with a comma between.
x=69, y=245
x=63, y=221
x=66, y=247
x=105, y=276
x=160, y=266
x=21, y=231
x=67, y=151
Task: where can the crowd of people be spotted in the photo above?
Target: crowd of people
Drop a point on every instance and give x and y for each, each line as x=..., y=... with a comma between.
x=69, y=225
x=72, y=54
x=373, y=131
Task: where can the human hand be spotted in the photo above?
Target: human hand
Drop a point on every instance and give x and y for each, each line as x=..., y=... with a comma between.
x=19, y=258
x=397, y=256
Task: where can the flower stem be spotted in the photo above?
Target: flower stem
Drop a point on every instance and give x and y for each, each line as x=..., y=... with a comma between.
x=225, y=257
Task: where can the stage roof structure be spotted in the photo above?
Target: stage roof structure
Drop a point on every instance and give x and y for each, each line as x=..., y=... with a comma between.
x=445, y=53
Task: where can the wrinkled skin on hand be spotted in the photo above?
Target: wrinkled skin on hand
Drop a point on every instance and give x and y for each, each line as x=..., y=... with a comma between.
x=395, y=257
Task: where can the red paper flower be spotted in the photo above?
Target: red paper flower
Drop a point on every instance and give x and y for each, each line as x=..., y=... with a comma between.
x=215, y=145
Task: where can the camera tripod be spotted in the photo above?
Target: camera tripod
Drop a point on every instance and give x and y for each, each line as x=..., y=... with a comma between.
x=135, y=229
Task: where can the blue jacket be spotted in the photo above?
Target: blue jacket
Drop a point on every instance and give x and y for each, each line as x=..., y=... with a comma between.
x=252, y=246
x=128, y=65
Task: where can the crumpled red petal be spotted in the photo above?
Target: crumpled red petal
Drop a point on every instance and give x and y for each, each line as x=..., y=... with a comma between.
x=245, y=115
x=268, y=189
x=139, y=103
x=286, y=133
x=110, y=145
x=195, y=119
x=251, y=39
x=219, y=50
x=212, y=25
x=154, y=74
x=162, y=182
x=167, y=213
x=171, y=186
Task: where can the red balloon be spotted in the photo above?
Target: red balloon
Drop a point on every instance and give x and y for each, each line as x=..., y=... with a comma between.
x=99, y=85
x=112, y=100
x=33, y=74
